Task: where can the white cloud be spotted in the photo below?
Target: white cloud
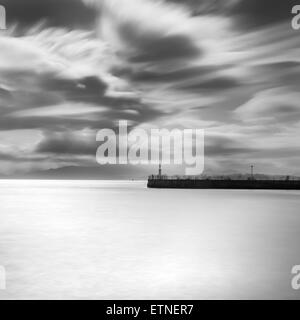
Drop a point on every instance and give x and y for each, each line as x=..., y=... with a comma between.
x=279, y=104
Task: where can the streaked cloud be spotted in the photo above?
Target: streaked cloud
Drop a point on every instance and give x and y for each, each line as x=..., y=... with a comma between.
x=69, y=68
x=52, y=12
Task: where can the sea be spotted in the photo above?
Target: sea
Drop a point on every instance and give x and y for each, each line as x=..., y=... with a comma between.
x=120, y=240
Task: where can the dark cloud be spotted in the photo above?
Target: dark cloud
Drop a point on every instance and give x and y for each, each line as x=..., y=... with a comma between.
x=155, y=76
x=6, y=157
x=4, y=94
x=37, y=89
x=94, y=120
x=67, y=143
x=200, y=78
x=87, y=86
x=257, y=13
x=63, y=13
x=51, y=89
x=5, y=97
x=284, y=64
x=55, y=123
x=280, y=66
x=153, y=47
x=89, y=89
x=246, y=13
x=26, y=91
x=218, y=83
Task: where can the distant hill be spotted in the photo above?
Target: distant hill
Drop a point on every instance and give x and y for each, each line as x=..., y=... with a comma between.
x=112, y=172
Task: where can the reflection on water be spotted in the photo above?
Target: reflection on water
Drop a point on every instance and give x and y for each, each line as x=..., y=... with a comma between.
x=120, y=240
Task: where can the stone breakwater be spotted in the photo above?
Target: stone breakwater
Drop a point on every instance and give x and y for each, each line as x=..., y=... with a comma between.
x=223, y=184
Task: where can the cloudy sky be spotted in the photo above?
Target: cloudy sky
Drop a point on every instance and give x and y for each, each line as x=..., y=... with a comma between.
x=71, y=67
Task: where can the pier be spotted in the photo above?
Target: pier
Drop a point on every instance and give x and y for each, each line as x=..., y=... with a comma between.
x=191, y=183
x=188, y=182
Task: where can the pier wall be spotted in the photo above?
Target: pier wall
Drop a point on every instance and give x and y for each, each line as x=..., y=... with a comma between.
x=223, y=184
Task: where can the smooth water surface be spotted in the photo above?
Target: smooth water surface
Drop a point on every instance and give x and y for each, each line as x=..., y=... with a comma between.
x=120, y=240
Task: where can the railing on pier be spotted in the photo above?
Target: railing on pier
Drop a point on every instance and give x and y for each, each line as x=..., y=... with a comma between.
x=220, y=178
x=166, y=177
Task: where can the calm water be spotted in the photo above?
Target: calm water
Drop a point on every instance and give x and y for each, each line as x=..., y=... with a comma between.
x=119, y=240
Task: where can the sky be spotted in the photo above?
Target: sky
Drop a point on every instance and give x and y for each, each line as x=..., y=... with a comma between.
x=69, y=68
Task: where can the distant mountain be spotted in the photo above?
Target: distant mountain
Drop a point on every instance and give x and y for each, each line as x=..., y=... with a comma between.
x=111, y=172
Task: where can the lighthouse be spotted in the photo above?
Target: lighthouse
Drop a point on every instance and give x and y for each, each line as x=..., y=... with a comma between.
x=159, y=171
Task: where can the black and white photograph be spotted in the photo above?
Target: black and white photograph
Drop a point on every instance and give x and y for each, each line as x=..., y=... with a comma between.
x=149, y=150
